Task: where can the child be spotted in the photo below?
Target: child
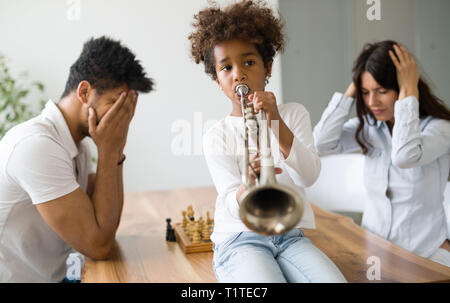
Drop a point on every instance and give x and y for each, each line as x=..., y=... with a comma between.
x=237, y=46
x=404, y=131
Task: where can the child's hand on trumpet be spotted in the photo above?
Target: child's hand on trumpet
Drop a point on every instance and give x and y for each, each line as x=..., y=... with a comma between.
x=267, y=102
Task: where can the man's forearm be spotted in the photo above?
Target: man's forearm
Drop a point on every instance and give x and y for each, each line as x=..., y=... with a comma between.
x=120, y=191
x=106, y=201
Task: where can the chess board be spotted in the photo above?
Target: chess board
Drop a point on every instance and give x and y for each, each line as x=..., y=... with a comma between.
x=186, y=244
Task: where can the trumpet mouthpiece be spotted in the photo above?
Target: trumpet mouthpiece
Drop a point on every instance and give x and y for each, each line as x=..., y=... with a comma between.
x=242, y=90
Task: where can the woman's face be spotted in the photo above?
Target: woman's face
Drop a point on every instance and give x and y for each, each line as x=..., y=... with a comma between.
x=379, y=101
x=239, y=62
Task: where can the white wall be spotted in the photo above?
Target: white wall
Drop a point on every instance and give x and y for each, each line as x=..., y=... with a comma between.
x=37, y=36
x=432, y=44
x=319, y=51
x=396, y=23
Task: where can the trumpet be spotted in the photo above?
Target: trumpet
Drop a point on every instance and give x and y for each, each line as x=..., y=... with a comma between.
x=266, y=207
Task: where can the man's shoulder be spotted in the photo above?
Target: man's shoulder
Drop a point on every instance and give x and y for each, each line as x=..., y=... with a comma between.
x=33, y=150
x=37, y=142
x=35, y=127
x=30, y=145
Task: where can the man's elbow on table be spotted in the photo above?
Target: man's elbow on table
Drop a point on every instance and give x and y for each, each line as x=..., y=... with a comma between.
x=75, y=220
x=101, y=250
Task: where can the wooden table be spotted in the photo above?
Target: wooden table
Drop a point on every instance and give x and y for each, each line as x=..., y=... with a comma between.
x=142, y=254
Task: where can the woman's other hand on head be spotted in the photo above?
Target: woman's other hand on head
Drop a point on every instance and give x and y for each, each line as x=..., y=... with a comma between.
x=407, y=72
x=351, y=91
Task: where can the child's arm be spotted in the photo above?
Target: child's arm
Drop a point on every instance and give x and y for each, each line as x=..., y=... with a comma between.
x=412, y=147
x=224, y=171
x=302, y=162
x=335, y=134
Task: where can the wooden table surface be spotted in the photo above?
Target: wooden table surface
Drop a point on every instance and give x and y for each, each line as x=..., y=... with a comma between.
x=141, y=253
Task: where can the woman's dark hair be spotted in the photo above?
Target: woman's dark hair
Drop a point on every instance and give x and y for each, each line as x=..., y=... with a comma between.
x=375, y=59
x=106, y=64
x=251, y=21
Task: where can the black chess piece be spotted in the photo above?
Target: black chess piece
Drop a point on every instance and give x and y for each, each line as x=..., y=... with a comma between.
x=168, y=228
x=172, y=237
x=170, y=232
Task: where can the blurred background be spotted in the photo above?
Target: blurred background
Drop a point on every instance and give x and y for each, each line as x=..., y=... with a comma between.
x=324, y=36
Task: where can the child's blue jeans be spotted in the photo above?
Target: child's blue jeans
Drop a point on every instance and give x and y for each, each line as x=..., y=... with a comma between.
x=290, y=257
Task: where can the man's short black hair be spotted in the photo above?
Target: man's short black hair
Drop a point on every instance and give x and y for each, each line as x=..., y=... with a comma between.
x=106, y=64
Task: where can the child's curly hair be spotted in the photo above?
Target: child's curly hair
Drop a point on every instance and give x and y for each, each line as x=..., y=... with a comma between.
x=249, y=20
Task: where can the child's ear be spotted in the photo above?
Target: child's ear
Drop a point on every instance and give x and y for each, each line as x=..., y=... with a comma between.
x=218, y=83
x=269, y=68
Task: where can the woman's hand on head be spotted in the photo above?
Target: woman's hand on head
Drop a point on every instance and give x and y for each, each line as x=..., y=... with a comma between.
x=351, y=91
x=407, y=72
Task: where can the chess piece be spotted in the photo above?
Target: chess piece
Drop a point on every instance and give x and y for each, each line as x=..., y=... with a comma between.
x=201, y=222
x=208, y=219
x=172, y=237
x=168, y=227
x=205, y=232
x=191, y=227
x=190, y=211
x=196, y=237
x=170, y=232
x=185, y=221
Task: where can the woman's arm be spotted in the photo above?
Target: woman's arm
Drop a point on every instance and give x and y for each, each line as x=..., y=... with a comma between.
x=411, y=146
x=335, y=133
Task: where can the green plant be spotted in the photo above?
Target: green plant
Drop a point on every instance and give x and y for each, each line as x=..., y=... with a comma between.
x=12, y=93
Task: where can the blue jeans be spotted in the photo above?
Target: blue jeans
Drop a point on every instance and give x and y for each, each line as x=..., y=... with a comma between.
x=290, y=257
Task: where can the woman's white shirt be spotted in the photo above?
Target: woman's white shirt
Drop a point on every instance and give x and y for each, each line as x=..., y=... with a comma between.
x=405, y=174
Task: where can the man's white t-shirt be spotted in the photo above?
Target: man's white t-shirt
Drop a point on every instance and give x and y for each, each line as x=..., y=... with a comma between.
x=223, y=146
x=39, y=162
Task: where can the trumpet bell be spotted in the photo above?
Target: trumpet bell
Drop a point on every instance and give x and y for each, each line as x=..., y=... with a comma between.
x=271, y=209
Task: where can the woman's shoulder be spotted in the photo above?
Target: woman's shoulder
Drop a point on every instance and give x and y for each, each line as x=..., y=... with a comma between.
x=436, y=123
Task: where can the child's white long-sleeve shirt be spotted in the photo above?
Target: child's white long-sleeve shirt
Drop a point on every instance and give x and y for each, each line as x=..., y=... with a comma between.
x=223, y=146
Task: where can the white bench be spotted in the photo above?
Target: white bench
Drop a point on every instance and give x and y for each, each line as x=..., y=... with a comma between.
x=340, y=187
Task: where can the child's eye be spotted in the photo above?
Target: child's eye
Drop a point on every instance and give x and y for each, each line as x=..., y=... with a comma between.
x=249, y=63
x=364, y=93
x=382, y=92
x=226, y=68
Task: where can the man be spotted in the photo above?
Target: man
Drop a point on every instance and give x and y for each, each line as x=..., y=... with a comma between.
x=50, y=199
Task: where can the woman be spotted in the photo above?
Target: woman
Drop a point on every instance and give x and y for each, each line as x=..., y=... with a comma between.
x=404, y=132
